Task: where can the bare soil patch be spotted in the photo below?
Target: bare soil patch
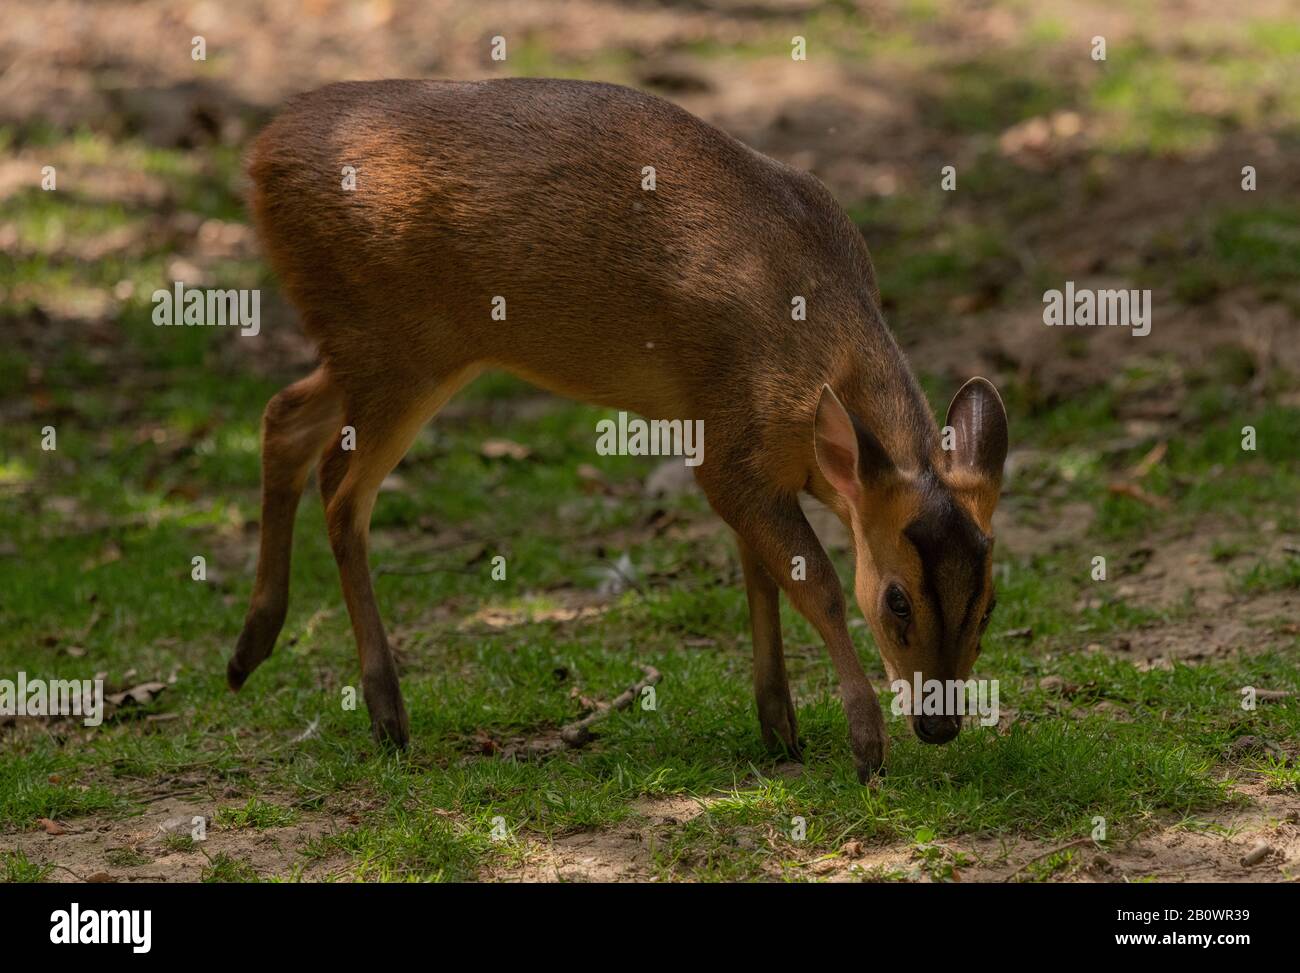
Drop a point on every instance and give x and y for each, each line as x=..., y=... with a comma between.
x=620, y=854
x=136, y=849
x=1183, y=571
x=1257, y=843
x=1224, y=847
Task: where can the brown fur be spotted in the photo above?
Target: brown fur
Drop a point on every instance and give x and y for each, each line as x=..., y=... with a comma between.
x=673, y=303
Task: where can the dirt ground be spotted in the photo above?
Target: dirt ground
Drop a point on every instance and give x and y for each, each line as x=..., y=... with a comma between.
x=93, y=849
x=1259, y=842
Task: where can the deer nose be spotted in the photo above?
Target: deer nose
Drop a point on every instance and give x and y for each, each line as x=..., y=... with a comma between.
x=937, y=729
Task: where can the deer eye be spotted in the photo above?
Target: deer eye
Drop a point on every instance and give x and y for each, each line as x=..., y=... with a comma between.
x=897, y=602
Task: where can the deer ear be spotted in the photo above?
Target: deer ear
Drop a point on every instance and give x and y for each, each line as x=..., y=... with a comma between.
x=980, y=422
x=848, y=456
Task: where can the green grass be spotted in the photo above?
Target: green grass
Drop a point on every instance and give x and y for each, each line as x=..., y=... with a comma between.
x=1272, y=576
x=1247, y=245
x=126, y=858
x=256, y=814
x=223, y=868
x=430, y=814
x=179, y=843
x=16, y=867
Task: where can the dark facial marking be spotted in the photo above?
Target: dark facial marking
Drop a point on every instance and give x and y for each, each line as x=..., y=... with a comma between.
x=952, y=550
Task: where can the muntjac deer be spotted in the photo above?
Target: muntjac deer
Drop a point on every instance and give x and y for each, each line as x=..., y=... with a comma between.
x=674, y=302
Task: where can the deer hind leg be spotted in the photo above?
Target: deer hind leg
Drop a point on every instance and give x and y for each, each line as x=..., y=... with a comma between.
x=385, y=420
x=297, y=423
x=776, y=715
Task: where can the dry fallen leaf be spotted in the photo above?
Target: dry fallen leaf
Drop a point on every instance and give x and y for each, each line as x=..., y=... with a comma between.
x=1148, y=462
x=1140, y=495
x=142, y=694
x=110, y=553
x=504, y=449
x=591, y=479
x=51, y=826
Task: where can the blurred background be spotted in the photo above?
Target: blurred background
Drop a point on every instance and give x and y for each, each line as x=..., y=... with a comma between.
x=1123, y=172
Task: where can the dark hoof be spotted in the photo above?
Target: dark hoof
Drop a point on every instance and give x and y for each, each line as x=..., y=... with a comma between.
x=780, y=730
x=391, y=734
x=781, y=751
x=388, y=722
x=235, y=676
x=779, y=746
x=868, y=736
x=261, y=629
x=866, y=772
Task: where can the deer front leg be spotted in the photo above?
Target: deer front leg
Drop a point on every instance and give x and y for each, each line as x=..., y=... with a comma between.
x=774, y=527
x=776, y=716
x=820, y=599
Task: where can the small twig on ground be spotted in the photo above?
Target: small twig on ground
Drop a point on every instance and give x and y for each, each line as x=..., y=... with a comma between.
x=1140, y=495
x=1149, y=461
x=579, y=733
x=1047, y=854
x=155, y=796
x=312, y=729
